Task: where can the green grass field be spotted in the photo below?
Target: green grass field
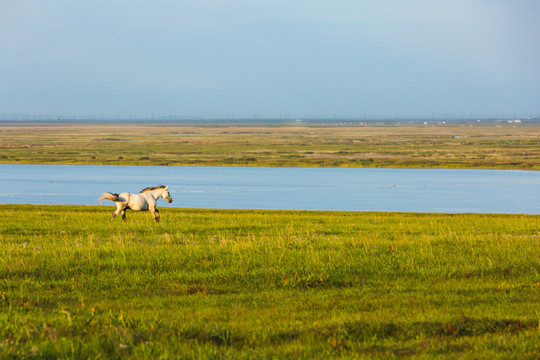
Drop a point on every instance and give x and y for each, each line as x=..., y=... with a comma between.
x=230, y=284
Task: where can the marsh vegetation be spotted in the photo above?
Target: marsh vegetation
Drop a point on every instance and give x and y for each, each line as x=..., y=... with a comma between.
x=485, y=145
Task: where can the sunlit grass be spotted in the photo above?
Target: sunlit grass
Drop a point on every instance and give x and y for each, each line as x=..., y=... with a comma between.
x=253, y=284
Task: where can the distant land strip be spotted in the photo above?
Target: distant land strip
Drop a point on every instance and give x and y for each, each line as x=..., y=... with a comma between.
x=508, y=144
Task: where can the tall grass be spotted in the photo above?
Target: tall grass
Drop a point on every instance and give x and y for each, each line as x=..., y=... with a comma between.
x=267, y=284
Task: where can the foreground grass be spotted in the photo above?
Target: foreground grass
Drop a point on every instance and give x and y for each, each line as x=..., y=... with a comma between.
x=267, y=284
x=484, y=145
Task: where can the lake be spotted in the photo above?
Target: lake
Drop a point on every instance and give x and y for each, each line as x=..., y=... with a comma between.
x=355, y=189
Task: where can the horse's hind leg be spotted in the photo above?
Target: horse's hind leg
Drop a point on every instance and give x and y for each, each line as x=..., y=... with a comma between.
x=120, y=208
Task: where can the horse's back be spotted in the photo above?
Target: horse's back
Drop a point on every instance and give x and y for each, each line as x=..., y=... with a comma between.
x=136, y=202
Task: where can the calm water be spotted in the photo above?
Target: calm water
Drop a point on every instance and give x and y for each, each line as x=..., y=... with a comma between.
x=359, y=189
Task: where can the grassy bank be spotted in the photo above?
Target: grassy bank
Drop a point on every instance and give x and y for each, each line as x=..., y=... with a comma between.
x=263, y=284
x=484, y=145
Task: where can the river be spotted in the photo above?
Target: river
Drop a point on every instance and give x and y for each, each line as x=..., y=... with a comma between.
x=355, y=189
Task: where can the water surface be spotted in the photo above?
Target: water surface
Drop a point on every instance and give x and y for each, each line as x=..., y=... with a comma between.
x=357, y=189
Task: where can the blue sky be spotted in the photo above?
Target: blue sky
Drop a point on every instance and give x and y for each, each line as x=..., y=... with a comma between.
x=272, y=58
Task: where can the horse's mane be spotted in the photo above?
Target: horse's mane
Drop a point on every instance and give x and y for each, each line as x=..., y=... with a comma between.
x=153, y=188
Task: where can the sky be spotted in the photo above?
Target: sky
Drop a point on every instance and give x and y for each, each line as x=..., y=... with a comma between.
x=270, y=58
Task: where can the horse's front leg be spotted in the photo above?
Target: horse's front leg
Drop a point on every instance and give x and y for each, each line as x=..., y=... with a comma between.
x=155, y=214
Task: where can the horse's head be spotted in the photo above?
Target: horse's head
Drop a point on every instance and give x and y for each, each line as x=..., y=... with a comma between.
x=165, y=195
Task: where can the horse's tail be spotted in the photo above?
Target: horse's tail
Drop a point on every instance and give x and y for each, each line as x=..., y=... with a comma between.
x=109, y=196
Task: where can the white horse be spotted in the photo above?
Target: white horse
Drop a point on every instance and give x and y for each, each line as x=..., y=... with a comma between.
x=145, y=200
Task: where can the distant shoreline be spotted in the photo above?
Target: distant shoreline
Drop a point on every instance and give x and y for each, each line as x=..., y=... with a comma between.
x=268, y=121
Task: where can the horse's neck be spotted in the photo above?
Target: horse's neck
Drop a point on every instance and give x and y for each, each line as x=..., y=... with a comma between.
x=155, y=193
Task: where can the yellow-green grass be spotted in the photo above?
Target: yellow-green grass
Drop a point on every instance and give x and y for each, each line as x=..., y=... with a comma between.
x=484, y=145
x=239, y=284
